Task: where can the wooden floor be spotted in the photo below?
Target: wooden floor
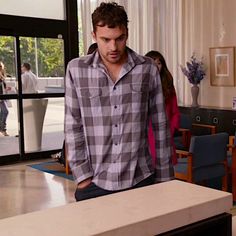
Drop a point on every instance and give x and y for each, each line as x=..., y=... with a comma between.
x=24, y=189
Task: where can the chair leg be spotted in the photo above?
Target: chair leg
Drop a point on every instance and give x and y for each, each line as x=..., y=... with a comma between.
x=67, y=168
x=234, y=185
x=225, y=183
x=68, y=171
x=225, y=177
x=233, y=178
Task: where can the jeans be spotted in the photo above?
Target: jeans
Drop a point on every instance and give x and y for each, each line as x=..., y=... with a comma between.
x=93, y=190
x=3, y=115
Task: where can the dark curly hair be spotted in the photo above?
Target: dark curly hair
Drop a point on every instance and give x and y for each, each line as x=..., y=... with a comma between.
x=166, y=77
x=110, y=14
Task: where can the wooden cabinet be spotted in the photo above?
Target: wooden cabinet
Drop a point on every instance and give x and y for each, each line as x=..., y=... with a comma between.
x=223, y=118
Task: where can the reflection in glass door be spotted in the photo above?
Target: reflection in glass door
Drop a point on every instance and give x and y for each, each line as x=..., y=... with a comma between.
x=9, y=142
x=43, y=117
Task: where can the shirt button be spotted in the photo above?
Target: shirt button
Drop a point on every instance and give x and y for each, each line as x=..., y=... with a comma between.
x=116, y=125
x=116, y=144
x=115, y=106
x=114, y=88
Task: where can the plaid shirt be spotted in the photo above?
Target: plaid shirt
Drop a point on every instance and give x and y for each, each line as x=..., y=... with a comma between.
x=106, y=123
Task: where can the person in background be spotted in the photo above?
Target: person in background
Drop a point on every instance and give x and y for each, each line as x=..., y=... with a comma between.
x=3, y=103
x=29, y=79
x=110, y=96
x=171, y=105
x=92, y=48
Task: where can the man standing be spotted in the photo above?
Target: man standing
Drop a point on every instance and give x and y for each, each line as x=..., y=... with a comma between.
x=29, y=79
x=110, y=97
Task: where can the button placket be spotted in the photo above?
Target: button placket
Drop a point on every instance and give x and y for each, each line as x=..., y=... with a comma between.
x=115, y=117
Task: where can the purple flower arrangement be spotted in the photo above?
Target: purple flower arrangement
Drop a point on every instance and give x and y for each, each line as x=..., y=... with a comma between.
x=194, y=71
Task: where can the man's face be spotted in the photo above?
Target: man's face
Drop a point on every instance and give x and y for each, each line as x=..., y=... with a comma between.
x=23, y=69
x=111, y=43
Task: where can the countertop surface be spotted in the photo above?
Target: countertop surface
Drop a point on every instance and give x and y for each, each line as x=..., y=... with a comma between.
x=144, y=211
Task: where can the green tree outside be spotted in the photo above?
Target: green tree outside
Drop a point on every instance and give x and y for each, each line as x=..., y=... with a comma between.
x=43, y=53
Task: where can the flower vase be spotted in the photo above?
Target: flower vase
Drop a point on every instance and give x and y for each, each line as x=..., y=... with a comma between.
x=195, y=92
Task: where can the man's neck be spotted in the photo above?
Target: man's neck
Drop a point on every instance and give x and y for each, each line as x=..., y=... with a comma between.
x=115, y=68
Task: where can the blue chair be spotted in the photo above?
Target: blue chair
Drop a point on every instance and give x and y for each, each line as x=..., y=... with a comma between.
x=205, y=160
x=183, y=136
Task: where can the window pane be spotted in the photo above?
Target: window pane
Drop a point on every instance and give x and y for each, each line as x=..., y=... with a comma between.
x=46, y=58
x=10, y=144
x=8, y=110
x=43, y=129
x=53, y=9
x=53, y=128
x=7, y=55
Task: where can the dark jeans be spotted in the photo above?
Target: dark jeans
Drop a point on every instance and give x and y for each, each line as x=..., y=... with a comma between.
x=3, y=115
x=93, y=190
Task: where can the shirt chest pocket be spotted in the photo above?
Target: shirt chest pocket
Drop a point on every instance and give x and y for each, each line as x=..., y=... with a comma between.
x=91, y=98
x=90, y=93
x=139, y=97
x=139, y=88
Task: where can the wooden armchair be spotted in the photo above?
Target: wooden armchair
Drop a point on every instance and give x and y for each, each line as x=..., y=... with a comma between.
x=205, y=160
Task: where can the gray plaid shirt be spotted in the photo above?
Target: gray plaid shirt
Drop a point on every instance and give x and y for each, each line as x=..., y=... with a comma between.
x=106, y=123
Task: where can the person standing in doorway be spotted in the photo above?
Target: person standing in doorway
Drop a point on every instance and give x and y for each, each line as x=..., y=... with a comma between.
x=110, y=96
x=29, y=79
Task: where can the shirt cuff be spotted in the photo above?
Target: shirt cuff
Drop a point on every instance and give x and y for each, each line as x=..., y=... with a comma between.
x=82, y=172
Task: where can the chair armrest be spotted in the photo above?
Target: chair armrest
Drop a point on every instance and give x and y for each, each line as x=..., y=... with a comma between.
x=183, y=130
x=211, y=127
x=231, y=146
x=231, y=139
x=182, y=153
x=189, y=156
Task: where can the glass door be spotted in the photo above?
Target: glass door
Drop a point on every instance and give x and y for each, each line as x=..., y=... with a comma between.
x=42, y=62
x=31, y=97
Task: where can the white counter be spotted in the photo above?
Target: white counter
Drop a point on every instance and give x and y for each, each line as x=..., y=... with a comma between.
x=144, y=211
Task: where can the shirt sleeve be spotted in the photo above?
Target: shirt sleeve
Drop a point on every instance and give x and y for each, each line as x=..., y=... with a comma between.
x=23, y=82
x=164, y=168
x=74, y=132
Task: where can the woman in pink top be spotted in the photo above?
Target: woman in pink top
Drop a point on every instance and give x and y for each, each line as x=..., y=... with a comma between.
x=172, y=110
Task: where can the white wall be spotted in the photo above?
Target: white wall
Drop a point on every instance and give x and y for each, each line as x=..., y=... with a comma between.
x=206, y=24
x=50, y=9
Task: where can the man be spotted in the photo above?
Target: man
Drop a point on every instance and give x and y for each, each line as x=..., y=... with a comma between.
x=29, y=79
x=110, y=97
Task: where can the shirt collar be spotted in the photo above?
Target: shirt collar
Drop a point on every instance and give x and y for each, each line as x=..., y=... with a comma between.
x=95, y=61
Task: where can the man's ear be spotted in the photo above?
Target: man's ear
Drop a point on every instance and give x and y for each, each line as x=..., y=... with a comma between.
x=93, y=36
